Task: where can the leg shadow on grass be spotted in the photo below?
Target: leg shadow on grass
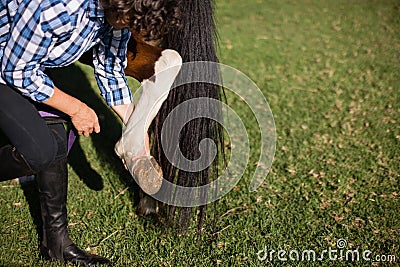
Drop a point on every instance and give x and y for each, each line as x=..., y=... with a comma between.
x=73, y=81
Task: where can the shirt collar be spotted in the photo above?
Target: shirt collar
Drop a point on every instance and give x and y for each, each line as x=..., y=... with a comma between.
x=95, y=9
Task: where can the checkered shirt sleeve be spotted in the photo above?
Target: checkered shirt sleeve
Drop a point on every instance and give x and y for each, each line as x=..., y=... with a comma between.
x=40, y=28
x=30, y=41
x=109, y=59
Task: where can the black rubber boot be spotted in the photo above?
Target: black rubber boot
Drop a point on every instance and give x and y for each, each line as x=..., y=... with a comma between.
x=12, y=164
x=56, y=244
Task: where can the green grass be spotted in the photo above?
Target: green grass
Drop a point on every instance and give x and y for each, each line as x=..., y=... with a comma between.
x=330, y=72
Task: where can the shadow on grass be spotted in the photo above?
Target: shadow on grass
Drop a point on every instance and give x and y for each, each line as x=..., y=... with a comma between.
x=73, y=81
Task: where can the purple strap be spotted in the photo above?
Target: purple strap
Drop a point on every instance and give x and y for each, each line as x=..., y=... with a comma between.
x=71, y=139
x=59, y=114
x=53, y=114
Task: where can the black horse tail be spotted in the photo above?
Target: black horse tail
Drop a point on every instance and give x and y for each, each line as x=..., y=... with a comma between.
x=195, y=40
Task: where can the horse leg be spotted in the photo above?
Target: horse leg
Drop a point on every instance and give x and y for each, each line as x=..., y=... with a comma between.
x=141, y=58
x=157, y=70
x=144, y=61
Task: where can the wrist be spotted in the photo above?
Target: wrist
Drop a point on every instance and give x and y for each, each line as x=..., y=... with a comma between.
x=76, y=107
x=124, y=111
x=65, y=103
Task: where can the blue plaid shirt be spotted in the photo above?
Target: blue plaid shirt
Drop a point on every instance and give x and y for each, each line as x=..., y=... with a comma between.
x=39, y=34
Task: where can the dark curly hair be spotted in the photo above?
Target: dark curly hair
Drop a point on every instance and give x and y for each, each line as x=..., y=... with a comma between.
x=152, y=19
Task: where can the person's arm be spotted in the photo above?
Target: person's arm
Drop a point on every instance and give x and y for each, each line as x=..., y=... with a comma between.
x=109, y=62
x=124, y=111
x=33, y=34
x=83, y=118
x=35, y=30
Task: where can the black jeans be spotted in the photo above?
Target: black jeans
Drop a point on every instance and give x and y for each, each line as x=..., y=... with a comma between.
x=38, y=142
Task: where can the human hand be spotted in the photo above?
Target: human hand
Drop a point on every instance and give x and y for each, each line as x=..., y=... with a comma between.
x=124, y=111
x=85, y=120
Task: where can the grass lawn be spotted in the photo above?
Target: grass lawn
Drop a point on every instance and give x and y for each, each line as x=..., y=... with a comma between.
x=330, y=71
